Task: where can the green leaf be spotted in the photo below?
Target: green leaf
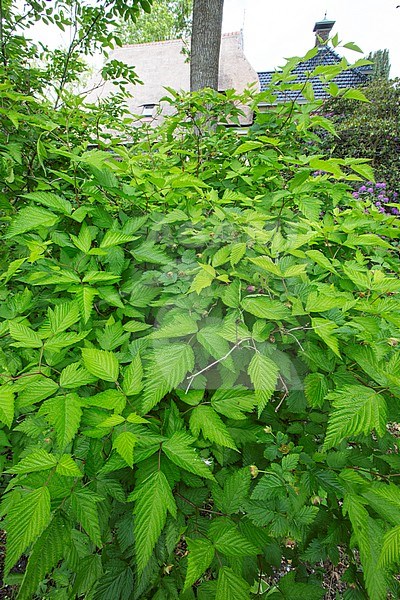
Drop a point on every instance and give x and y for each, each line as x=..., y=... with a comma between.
x=30, y=218
x=179, y=451
x=180, y=326
x=234, y=402
x=63, y=316
x=67, y=467
x=167, y=368
x=36, y=390
x=26, y=337
x=321, y=260
x=124, y=444
x=216, y=345
x=133, y=375
x=74, y=375
x=231, y=586
x=46, y=552
x=229, y=541
x=153, y=499
x=101, y=363
x=38, y=460
x=263, y=373
x=235, y=491
x=6, y=405
x=292, y=590
x=201, y=554
x=84, y=297
x=83, y=505
x=356, y=410
x=326, y=330
x=390, y=548
x=150, y=252
x=114, y=238
x=64, y=414
x=26, y=521
x=315, y=388
x=237, y=252
x=202, y=280
x=265, y=308
x=204, y=419
x=51, y=200
x=353, y=46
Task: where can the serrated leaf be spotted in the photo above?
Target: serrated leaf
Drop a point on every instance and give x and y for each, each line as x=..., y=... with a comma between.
x=64, y=414
x=154, y=498
x=315, y=389
x=67, y=467
x=38, y=389
x=231, y=586
x=6, y=405
x=30, y=218
x=235, y=491
x=51, y=200
x=63, y=316
x=263, y=373
x=204, y=419
x=46, y=552
x=101, y=363
x=221, y=256
x=109, y=399
x=64, y=340
x=114, y=238
x=232, y=403
x=202, y=280
x=84, y=297
x=326, y=330
x=25, y=335
x=265, y=308
x=201, y=554
x=237, y=252
x=167, y=368
x=124, y=444
x=133, y=375
x=83, y=505
x=180, y=326
x=179, y=450
x=390, y=548
x=356, y=410
x=38, y=460
x=26, y=520
x=150, y=252
x=74, y=375
x=100, y=276
x=266, y=263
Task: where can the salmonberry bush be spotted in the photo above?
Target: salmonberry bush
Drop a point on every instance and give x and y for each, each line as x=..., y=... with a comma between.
x=199, y=356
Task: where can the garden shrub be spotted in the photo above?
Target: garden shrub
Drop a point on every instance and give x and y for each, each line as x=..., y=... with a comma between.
x=199, y=362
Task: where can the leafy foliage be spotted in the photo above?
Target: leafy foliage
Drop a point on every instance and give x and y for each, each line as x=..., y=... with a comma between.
x=198, y=354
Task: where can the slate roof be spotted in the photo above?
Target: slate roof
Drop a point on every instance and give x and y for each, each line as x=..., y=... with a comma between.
x=350, y=78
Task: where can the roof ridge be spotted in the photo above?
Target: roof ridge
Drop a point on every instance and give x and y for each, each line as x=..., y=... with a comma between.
x=224, y=35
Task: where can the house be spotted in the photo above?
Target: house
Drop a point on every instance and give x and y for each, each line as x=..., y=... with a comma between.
x=164, y=64
x=326, y=56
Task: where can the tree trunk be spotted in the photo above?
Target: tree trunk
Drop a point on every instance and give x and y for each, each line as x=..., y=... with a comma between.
x=206, y=44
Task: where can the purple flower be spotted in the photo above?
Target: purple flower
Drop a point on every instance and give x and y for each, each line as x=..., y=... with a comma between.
x=362, y=189
x=381, y=209
x=385, y=199
x=381, y=196
x=395, y=194
x=370, y=190
x=381, y=185
x=378, y=203
x=356, y=195
x=395, y=211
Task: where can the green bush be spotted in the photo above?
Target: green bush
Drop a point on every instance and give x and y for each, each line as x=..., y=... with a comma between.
x=199, y=360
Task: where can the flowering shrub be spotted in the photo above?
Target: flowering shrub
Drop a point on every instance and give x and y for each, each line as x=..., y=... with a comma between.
x=386, y=200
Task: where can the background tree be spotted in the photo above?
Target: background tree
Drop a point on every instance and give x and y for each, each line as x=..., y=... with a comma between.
x=381, y=64
x=206, y=43
x=168, y=20
x=370, y=129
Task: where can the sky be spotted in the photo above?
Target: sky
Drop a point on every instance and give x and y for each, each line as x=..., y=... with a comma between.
x=284, y=28
x=274, y=30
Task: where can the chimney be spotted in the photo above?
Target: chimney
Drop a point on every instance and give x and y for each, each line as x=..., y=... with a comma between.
x=322, y=31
